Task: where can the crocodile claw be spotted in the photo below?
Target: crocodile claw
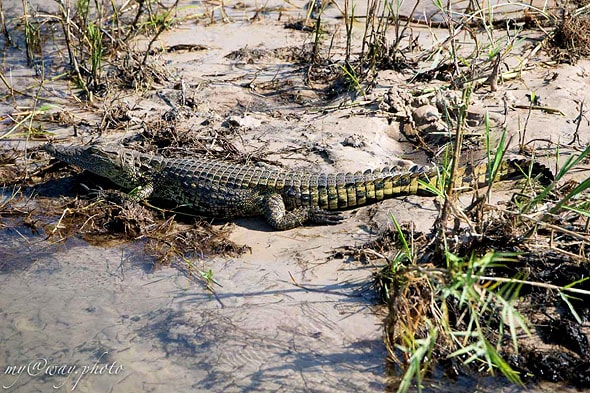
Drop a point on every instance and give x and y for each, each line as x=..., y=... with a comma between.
x=325, y=217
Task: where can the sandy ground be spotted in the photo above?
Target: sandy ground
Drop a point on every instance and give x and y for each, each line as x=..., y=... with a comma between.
x=80, y=305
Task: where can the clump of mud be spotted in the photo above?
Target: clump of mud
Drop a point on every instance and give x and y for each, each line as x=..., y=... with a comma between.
x=290, y=54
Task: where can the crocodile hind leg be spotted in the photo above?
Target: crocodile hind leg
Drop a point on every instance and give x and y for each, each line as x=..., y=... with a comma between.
x=279, y=218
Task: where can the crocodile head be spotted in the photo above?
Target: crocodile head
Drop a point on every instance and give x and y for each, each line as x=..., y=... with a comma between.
x=113, y=162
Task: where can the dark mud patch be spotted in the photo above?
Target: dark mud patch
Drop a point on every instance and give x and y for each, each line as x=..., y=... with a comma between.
x=291, y=54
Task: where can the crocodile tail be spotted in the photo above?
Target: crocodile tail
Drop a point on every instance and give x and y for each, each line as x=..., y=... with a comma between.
x=473, y=176
x=348, y=190
x=467, y=177
x=518, y=168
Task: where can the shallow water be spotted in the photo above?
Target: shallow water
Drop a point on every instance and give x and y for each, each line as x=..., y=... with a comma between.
x=114, y=323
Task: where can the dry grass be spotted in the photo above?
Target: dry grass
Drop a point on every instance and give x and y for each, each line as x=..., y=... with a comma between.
x=571, y=38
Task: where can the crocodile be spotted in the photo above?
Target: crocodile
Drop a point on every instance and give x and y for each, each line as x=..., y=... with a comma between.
x=285, y=198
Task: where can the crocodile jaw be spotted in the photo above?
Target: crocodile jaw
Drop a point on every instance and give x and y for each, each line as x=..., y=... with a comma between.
x=101, y=161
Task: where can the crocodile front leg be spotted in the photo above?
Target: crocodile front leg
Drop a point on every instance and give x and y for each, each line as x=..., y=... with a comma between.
x=138, y=194
x=279, y=218
x=142, y=193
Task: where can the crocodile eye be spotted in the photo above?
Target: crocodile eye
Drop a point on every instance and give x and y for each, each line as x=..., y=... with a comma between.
x=92, y=150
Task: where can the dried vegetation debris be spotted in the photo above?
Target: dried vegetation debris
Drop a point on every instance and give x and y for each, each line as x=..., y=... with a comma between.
x=9, y=169
x=133, y=72
x=182, y=132
x=103, y=217
x=180, y=129
x=570, y=40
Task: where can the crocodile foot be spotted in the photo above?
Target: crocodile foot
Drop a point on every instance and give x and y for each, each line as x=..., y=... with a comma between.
x=279, y=218
x=324, y=217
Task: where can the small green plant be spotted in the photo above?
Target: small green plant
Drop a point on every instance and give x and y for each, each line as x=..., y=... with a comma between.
x=494, y=158
x=483, y=313
x=419, y=351
x=481, y=303
x=83, y=42
x=359, y=72
x=352, y=78
x=96, y=53
x=403, y=258
x=208, y=277
x=32, y=36
x=83, y=10
x=93, y=30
